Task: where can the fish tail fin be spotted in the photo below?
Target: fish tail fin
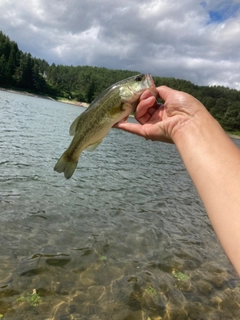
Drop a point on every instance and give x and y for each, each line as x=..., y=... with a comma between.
x=66, y=164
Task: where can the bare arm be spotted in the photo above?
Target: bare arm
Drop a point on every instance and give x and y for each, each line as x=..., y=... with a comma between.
x=210, y=157
x=213, y=162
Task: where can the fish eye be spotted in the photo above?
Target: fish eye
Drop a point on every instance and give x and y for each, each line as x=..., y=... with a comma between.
x=138, y=78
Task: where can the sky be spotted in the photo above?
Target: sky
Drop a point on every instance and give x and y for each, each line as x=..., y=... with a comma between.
x=193, y=40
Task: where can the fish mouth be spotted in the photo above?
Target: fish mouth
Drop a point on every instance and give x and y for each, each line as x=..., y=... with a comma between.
x=152, y=87
x=150, y=80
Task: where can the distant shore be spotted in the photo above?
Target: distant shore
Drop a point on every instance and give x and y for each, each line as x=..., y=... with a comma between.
x=25, y=93
x=233, y=136
x=73, y=102
x=63, y=100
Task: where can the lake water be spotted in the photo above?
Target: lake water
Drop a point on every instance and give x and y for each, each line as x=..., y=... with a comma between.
x=126, y=238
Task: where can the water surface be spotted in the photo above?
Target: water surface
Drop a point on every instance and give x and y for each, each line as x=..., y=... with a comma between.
x=125, y=238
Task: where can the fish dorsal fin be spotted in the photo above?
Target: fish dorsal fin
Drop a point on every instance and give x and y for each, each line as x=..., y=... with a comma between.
x=73, y=127
x=92, y=147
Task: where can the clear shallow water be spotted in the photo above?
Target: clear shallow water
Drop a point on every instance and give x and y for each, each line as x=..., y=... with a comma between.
x=113, y=241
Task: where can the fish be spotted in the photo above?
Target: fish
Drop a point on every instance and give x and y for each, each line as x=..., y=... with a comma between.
x=111, y=106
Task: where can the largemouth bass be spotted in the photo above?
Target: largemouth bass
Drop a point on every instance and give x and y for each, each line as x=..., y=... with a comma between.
x=111, y=106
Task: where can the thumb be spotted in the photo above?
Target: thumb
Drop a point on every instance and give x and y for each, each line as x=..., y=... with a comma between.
x=165, y=92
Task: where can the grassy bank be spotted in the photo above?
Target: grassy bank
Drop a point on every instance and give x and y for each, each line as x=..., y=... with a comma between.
x=234, y=134
x=76, y=103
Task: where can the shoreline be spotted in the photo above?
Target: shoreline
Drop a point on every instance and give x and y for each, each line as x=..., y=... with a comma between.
x=73, y=102
x=25, y=93
x=34, y=95
x=233, y=136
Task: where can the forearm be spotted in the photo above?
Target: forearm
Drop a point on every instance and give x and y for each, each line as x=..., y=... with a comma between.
x=211, y=158
x=213, y=162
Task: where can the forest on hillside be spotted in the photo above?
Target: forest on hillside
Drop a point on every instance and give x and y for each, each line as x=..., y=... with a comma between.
x=19, y=70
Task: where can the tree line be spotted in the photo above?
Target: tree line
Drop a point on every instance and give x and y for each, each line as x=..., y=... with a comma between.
x=21, y=71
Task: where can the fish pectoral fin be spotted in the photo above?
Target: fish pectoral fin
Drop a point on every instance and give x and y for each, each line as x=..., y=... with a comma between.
x=92, y=147
x=73, y=127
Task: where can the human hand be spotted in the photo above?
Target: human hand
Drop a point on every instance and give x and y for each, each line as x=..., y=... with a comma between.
x=161, y=122
x=207, y=152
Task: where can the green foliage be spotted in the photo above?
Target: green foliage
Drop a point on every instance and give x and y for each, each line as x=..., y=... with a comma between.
x=21, y=70
x=236, y=133
x=32, y=298
x=84, y=83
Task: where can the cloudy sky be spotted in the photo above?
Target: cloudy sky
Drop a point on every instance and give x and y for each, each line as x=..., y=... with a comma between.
x=196, y=40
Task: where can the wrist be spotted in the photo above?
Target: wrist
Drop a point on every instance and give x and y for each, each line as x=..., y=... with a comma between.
x=196, y=129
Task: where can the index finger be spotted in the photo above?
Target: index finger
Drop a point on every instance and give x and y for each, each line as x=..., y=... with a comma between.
x=146, y=94
x=143, y=107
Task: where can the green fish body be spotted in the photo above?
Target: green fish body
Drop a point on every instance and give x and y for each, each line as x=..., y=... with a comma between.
x=111, y=106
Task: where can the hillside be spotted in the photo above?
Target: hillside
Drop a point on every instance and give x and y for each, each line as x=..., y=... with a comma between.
x=21, y=71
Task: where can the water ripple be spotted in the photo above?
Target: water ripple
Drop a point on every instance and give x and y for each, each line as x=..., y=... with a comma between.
x=126, y=238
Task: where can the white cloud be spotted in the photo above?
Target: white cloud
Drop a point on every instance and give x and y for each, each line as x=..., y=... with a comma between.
x=193, y=40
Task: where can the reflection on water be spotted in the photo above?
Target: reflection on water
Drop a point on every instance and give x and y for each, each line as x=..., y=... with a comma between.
x=126, y=238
